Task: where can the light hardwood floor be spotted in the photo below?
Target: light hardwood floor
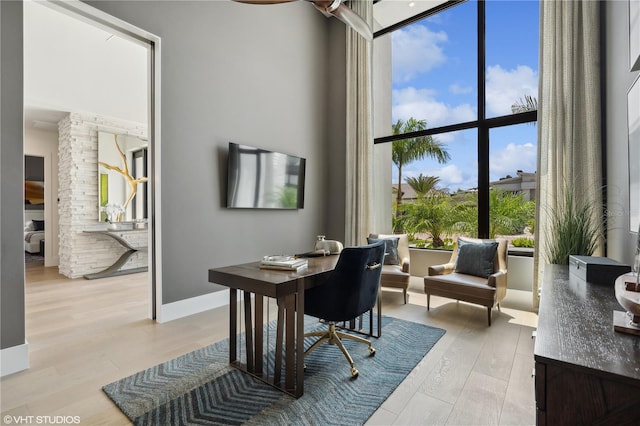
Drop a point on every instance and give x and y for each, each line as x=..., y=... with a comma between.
x=84, y=334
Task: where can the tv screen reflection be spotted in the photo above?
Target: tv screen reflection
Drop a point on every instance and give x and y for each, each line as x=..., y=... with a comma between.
x=262, y=179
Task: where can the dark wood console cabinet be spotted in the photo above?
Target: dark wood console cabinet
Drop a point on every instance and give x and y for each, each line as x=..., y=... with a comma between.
x=586, y=373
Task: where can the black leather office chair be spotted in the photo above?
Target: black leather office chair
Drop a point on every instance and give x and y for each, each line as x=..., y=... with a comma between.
x=349, y=291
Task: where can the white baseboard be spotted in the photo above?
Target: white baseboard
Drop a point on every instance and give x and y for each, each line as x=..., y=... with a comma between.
x=194, y=305
x=14, y=359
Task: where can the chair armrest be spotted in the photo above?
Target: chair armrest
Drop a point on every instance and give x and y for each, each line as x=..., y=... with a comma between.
x=404, y=262
x=498, y=280
x=443, y=269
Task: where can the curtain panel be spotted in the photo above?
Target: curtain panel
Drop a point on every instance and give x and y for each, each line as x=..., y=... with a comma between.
x=359, y=129
x=569, y=116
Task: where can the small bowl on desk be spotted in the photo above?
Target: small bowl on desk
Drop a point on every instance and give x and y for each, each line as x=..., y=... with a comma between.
x=628, y=296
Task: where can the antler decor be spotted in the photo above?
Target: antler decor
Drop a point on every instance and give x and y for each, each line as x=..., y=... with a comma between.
x=133, y=182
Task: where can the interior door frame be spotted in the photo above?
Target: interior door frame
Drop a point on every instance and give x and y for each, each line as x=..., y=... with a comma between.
x=96, y=17
x=48, y=199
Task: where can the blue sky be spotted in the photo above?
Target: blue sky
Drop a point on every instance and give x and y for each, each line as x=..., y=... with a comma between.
x=434, y=78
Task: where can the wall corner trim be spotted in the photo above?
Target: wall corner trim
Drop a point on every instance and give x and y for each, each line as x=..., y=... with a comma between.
x=14, y=359
x=191, y=306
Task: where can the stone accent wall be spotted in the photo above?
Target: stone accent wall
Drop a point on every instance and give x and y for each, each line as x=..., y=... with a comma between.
x=82, y=253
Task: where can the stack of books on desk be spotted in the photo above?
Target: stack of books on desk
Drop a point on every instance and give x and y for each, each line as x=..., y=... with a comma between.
x=283, y=263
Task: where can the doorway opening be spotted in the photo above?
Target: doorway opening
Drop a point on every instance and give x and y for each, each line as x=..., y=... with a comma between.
x=34, y=211
x=67, y=76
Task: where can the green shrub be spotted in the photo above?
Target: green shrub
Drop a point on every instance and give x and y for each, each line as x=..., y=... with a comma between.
x=531, y=224
x=523, y=242
x=422, y=244
x=426, y=244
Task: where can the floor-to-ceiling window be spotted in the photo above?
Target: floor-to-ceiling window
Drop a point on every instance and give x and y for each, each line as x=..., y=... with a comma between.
x=459, y=111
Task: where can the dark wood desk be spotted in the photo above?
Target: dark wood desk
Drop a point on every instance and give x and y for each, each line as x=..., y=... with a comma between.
x=586, y=373
x=288, y=290
x=283, y=286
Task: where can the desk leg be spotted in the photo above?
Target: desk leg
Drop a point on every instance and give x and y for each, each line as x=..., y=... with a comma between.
x=299, y=338
x=289, y=343
x=248, y=325
x=233, y=325
x=277, y=375
x=259, y=330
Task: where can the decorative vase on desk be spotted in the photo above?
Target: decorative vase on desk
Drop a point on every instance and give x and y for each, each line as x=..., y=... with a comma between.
x=627, y=290
x=628, y=295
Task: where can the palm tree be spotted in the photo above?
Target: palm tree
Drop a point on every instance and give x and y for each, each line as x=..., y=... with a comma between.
x=528, y=103
x=433, y=214
x=404, y=151
x=423, y=185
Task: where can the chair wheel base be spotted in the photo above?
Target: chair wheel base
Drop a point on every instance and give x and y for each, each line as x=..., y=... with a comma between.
x=354, y=372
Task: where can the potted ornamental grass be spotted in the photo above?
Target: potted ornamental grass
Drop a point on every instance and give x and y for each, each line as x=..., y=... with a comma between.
x=576, y=228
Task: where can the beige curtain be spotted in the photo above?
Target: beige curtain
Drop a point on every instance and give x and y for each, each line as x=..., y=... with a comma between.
x=569, y=114
x=359, y=137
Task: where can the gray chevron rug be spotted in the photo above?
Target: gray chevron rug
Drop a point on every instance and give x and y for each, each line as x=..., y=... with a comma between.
x=200, y=388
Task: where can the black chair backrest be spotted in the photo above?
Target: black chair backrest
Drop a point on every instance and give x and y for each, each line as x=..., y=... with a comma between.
x=352, y=288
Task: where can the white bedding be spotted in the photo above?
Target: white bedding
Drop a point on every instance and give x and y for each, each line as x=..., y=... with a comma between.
x=32, y=237
x=33, y=245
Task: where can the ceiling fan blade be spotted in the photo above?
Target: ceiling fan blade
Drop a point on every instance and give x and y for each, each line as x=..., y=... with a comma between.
x=352, y=19
x=330, y=8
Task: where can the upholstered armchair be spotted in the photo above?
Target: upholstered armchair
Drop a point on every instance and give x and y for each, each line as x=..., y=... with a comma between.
x=395, y=272
x=476, y=273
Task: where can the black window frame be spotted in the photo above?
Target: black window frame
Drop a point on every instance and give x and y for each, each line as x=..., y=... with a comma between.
x=483, y=124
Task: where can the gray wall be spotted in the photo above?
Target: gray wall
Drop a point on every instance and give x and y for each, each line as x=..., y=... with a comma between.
x=620, y=240
x=257, y=75
x=12, y=317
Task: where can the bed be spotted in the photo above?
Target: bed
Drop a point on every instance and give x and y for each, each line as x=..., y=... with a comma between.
x=33, y=231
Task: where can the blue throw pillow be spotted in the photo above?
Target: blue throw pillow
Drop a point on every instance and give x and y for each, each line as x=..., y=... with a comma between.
x=390, y=249
x=38, y=225
x=476, y=258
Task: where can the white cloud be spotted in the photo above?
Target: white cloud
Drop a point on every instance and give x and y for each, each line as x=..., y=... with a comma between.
x=416, y=50
x=450, y=174
x=456, y=89
x=453, y=178
x=421, y=104
x=506, y=87
x=407, y=172
x=512, y=158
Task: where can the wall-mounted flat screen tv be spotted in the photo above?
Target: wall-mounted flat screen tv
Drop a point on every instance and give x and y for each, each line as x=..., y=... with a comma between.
x=262, y=179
